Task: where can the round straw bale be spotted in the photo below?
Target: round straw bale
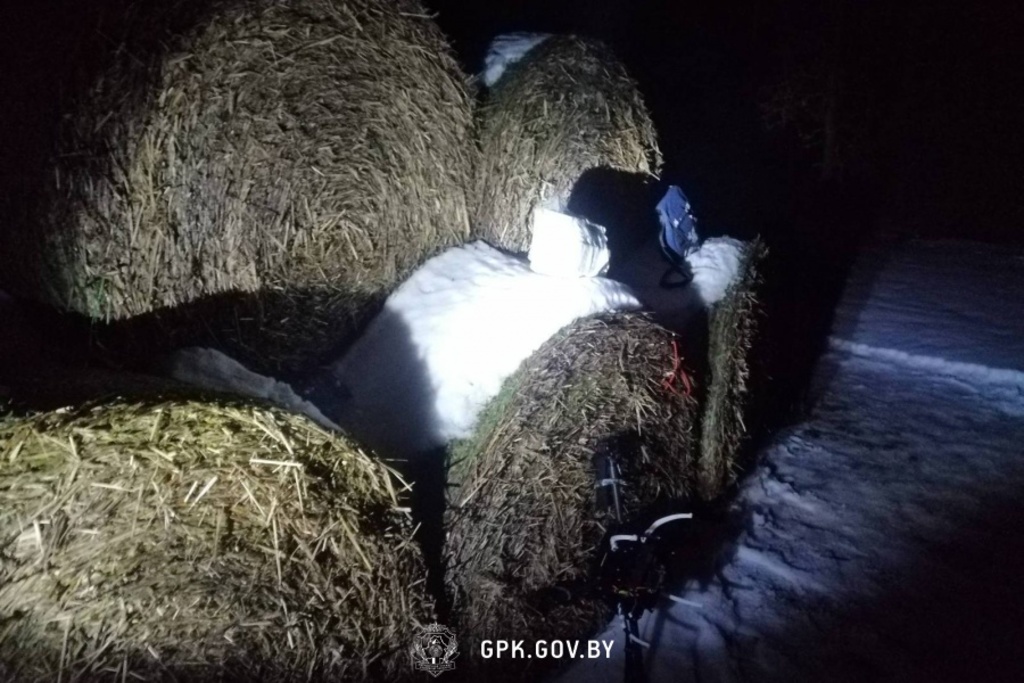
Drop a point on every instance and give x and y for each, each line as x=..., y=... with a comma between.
x=296, y=158
x=172, y=539
x=523, y=515
x=569, y=106
x=732, y=333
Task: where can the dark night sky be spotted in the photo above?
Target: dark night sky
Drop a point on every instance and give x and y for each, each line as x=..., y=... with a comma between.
x=930, y=100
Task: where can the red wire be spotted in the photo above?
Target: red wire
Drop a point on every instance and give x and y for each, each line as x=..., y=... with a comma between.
x=677, y=372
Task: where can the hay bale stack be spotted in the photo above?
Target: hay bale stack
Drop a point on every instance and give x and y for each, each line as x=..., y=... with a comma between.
x=569, y=106
x=203, y=541
x=523, y=515
x=297, y=159
x=732, y=332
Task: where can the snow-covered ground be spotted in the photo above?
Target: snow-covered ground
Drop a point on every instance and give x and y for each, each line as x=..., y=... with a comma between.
x=883, y=538
x=967, y=302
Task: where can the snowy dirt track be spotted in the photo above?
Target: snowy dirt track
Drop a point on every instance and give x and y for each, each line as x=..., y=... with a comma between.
x=883, y=538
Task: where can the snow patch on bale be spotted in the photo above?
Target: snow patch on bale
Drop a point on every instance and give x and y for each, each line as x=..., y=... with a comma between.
x=522, y=497
x=173, y=539
x=569, y=106
x=309, y=154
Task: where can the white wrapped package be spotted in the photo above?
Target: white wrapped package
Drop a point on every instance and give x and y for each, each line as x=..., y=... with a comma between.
x=566, y=246
x=446, y=341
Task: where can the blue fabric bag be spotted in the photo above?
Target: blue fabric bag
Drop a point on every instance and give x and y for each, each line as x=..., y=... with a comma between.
x=678, y=226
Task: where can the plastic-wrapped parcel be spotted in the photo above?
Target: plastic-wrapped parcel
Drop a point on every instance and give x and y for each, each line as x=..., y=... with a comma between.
x=566, y=246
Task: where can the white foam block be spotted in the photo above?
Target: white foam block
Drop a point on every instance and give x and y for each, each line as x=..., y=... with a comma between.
x=567, y=246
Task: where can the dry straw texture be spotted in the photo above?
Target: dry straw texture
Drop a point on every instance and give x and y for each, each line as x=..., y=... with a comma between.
x=199, y=541
x=569, y=106
x=733, y=329
x=523, y=514
x=309, y=153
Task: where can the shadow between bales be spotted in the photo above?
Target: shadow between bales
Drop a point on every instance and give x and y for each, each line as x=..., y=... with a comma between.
x=804, y=280
x=624, y=203
x=255, y=328
x=429, y=502
x=384, y=402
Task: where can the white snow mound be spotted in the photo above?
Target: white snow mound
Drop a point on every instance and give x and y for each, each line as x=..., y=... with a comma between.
x=715, y=265
x=212, y=370
x=447, y=339
x=505, y=50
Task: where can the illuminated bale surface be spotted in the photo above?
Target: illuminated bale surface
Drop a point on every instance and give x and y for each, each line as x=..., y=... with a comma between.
x=308, y=153
x=569, y=106
x=522, y=511
x=182, y=540
x=732, y=334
